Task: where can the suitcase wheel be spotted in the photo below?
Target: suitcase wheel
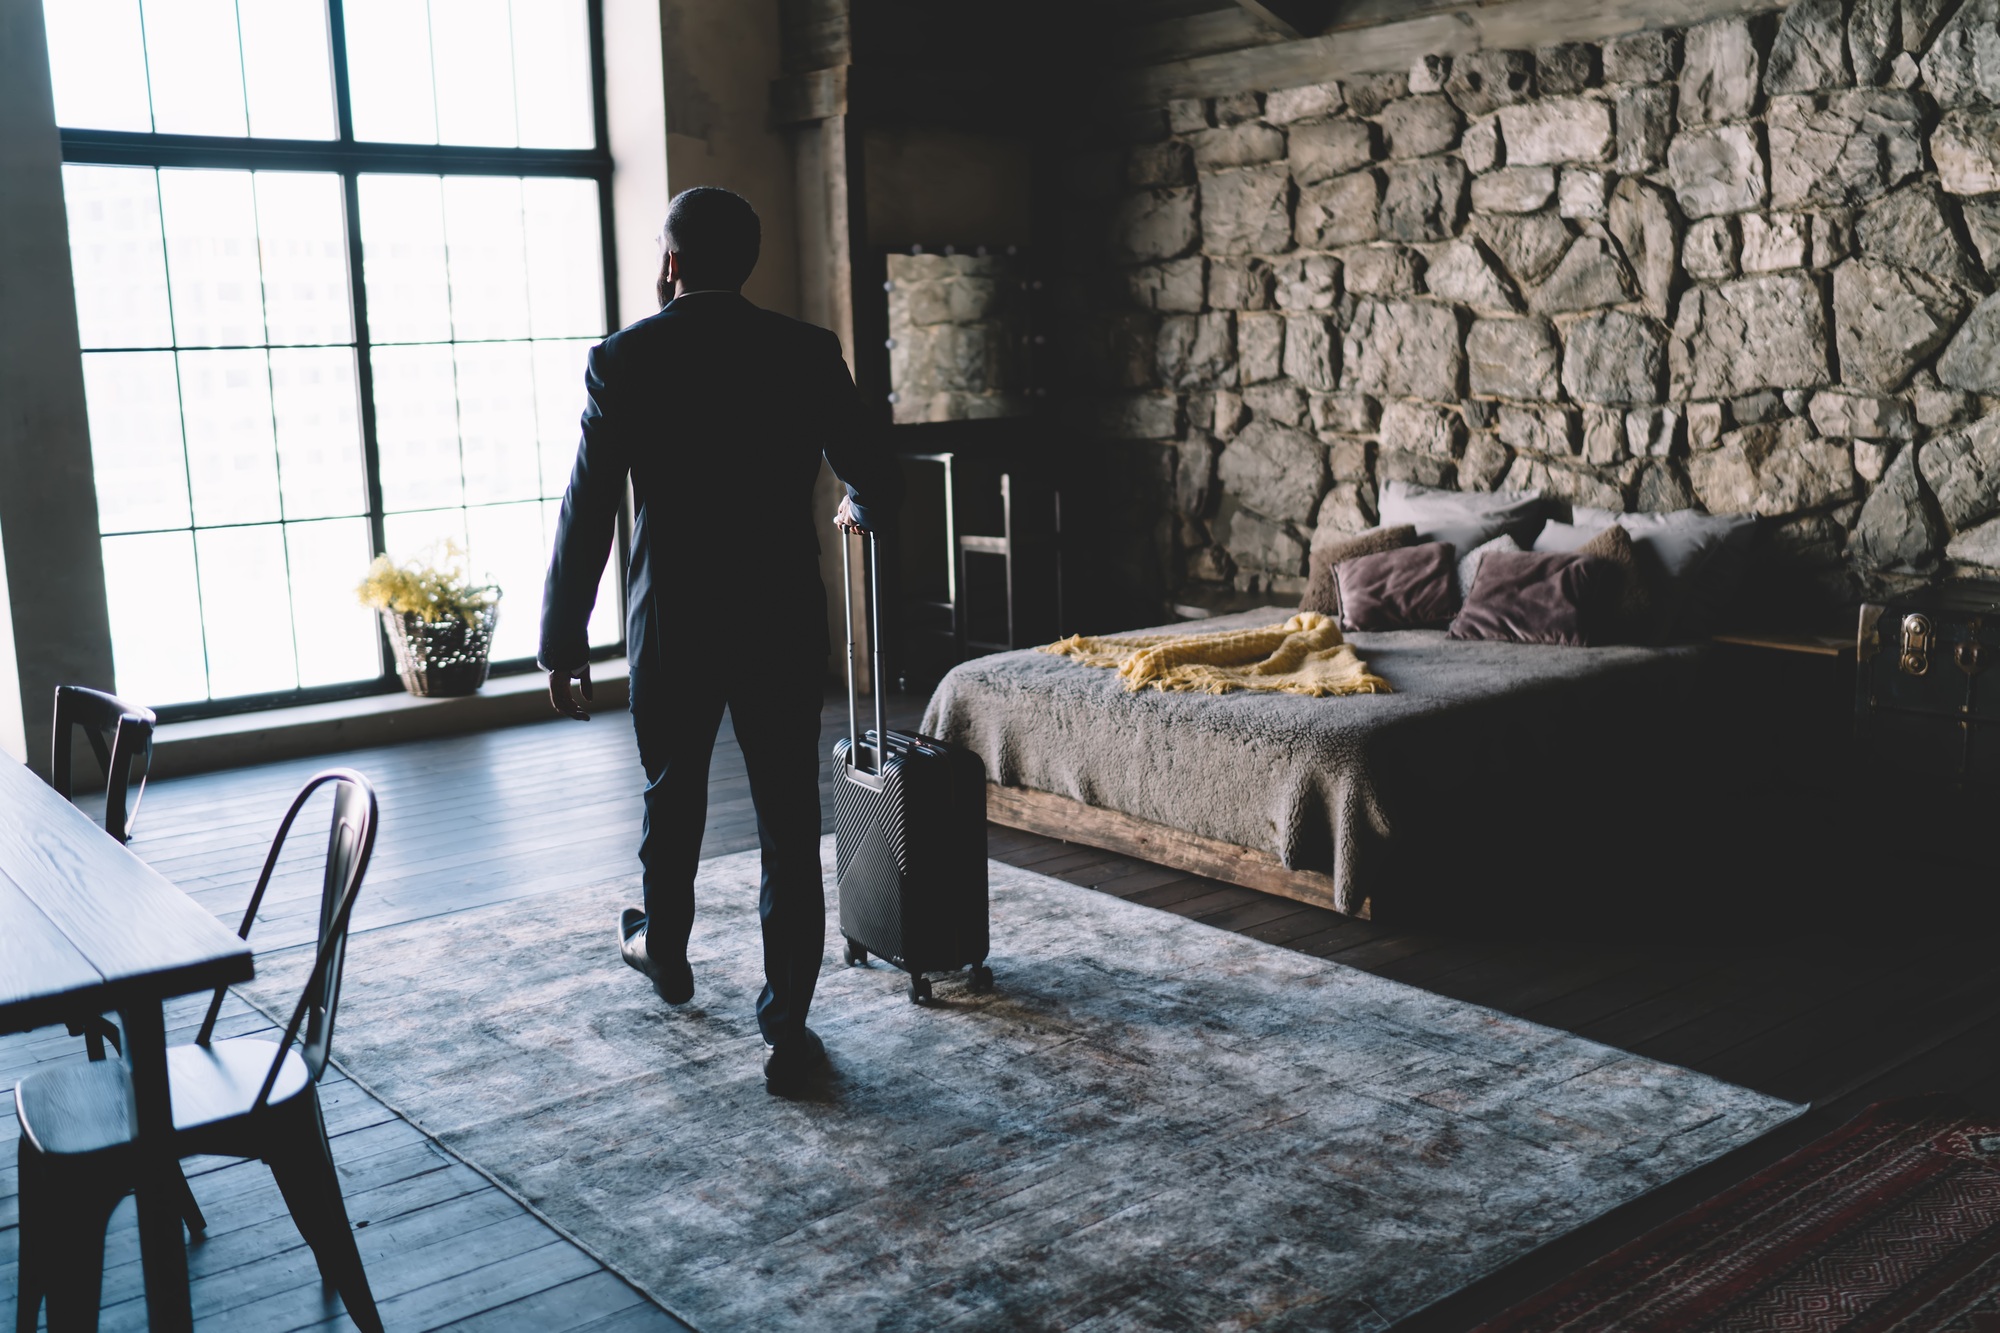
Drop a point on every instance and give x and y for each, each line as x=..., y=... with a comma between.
x=856, y=955
x=920, y=989
x=982, y=979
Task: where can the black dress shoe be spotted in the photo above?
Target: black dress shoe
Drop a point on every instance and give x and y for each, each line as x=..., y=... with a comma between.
x=674, y=980
x=792, y=1065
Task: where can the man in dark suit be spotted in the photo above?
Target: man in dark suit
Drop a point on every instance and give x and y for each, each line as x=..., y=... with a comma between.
x=718, y=412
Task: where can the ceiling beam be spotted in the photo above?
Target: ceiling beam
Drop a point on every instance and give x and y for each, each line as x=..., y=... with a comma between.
x=1293, y=18
x=1351, y=50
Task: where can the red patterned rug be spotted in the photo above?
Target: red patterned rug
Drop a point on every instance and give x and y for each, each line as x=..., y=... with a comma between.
x=1891, y=1224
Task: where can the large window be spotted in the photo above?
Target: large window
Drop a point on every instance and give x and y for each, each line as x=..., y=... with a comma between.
x=338, y=263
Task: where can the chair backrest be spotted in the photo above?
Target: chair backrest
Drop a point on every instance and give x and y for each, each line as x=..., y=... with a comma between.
x=350, y=843
x=120, y=734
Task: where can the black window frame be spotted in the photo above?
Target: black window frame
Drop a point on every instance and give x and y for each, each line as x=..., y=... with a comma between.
x=350, y=158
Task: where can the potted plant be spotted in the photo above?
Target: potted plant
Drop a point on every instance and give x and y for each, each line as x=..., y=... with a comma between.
x=440, y=623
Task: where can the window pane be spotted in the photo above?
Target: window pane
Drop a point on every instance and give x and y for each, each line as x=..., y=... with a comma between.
x=552, y=74
x=215, y=307
x=336, y=635
x=412, y=536
x=559, y=409
x=149, y=589
x=496, y=422
x=607, y=624
x=97, y=61
x=607, y=620
x=232, y=463
x=402, y=258
x=211, y=226
x=389, y=71
x=319, y=432
x=507, y=548
x=286, y=71
x=302, y=239
x=246, y=606
x=118, y=257
x=135, y=440
x=565, y=277
x=473, y=53
x=483, y=231
x=416, y=427
x=195, y=65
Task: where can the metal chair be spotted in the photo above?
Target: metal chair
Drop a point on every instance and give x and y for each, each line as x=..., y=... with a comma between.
x=238, y=1097
x=120, y=734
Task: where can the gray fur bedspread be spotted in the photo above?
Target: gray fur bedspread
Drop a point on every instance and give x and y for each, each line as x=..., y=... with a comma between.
x=1505, y=732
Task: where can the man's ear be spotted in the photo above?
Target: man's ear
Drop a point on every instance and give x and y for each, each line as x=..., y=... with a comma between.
x=670, y=272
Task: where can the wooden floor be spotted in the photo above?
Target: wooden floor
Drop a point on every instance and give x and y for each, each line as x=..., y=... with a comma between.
x=1826, y=994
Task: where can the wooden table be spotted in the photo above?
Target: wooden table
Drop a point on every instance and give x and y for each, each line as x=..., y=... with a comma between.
x=88, y=928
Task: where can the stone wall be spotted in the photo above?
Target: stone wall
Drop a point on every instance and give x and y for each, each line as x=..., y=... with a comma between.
x=1746, y=266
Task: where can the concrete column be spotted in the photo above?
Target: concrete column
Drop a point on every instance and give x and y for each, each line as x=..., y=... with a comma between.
x=48, y=501
x=826, y=298
x=719, y=63
x=13, y=729
x=636, y=102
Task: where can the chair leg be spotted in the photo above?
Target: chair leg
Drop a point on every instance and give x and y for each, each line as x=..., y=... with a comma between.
x=93, y=1041
x=62, y=1230
x=190, y=1210
x=34, y=1258
x=302, y=1162
x=79, y=1283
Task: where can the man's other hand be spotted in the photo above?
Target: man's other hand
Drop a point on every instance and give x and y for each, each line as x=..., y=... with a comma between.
x=559, y=693
x=844, y=517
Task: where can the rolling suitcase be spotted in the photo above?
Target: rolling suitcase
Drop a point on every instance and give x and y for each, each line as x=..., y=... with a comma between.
x=909, y=832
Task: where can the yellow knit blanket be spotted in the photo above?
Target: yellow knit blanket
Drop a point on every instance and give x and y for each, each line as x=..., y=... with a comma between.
x=1305, y=655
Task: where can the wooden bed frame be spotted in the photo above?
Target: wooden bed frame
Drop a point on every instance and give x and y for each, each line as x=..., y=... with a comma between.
x=1055, y=816
x=1060, y=817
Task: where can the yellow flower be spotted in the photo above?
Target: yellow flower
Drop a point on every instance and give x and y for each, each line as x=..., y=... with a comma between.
x=433, y=586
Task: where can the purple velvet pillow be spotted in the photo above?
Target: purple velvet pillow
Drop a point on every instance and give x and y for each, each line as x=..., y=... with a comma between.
x=1408, y=588
x=1536, y=597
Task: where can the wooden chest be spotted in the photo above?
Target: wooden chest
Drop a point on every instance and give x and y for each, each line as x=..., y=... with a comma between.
x=1928, y=685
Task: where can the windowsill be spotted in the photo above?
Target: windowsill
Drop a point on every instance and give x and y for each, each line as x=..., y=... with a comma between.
x=351, y=724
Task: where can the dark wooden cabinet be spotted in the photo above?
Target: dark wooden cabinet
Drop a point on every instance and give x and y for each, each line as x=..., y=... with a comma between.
x=979, y=553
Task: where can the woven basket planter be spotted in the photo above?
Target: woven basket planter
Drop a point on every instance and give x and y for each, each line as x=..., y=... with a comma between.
x=442, y=658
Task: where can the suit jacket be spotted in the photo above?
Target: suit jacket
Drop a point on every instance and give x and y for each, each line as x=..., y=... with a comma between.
x=718, y=411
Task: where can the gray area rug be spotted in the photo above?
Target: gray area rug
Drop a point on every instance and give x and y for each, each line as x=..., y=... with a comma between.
x=1149, y=1124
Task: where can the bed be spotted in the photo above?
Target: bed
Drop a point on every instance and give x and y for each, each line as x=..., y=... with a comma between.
x=1483, y=764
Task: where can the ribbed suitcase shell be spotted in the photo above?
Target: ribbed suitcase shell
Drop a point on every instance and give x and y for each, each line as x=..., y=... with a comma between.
x=909, y=838
x=910, y=854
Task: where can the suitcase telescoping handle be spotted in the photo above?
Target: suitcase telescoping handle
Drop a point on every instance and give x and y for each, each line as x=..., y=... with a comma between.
x=873, y=629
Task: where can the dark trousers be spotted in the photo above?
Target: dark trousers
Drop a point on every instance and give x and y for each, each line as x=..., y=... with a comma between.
x=775, y=713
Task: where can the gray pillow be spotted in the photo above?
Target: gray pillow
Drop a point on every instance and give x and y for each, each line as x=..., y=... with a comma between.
x=1559, y=536
x=1465, y=519
x=1468, y=564
x=1683, y=539
x=1699, y=557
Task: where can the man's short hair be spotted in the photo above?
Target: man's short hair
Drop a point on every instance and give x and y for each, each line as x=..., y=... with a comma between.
x=715, y=235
